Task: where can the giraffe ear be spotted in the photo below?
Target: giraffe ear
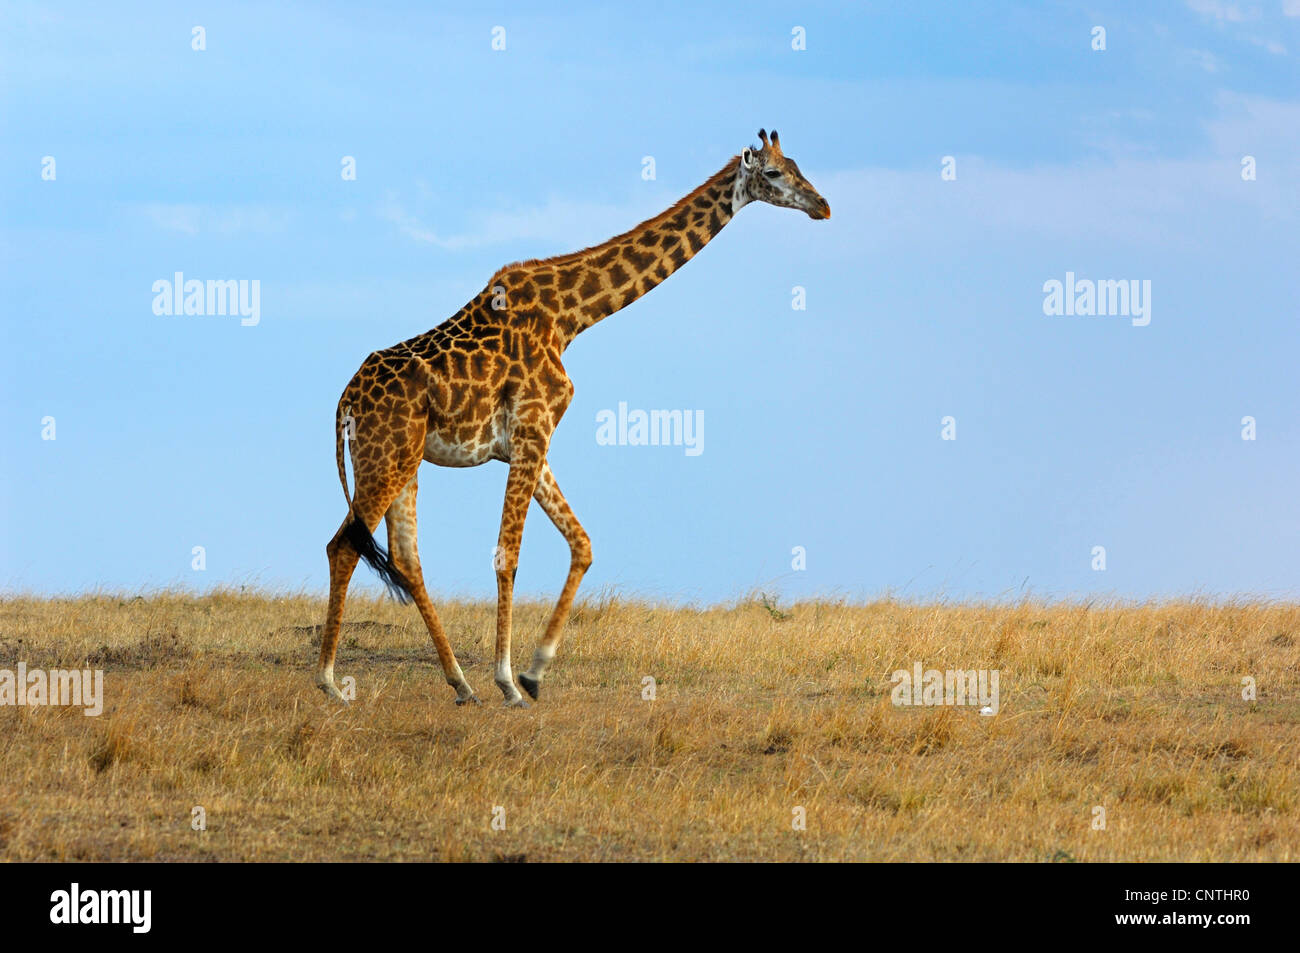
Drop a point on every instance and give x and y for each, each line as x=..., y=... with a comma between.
x=747, y=158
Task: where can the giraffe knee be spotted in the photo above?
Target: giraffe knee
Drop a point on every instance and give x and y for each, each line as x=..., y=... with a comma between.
x=505, y=562
x=581, y=552
x=409, y=566
x=336, y=543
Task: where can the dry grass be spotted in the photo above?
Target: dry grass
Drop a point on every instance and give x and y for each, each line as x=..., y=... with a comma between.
x=210, y=702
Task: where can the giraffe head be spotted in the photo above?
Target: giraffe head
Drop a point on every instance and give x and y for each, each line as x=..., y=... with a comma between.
x=767, y=175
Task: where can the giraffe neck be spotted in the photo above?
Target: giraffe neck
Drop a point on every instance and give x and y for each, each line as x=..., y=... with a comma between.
x=584, y=287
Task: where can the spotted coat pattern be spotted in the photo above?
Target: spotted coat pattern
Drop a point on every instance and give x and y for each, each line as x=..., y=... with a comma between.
x=489, y=384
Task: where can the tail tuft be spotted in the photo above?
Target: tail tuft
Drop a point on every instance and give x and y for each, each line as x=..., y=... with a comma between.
x=363, y=541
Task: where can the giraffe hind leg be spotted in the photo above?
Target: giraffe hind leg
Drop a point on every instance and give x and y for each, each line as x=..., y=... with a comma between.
x=350, y=544
x=402, y=541
x=343, y=559
x=382, y=422
x=378, y=559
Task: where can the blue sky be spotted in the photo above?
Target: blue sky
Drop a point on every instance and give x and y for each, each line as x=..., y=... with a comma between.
x=924, y=296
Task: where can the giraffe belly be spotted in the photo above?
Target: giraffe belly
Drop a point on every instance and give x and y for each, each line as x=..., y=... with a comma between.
x=453, y=450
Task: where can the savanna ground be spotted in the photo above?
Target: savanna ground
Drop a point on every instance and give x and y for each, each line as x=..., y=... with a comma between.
x=758, y=710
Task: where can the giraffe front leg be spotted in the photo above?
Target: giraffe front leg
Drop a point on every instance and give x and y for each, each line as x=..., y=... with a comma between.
x=504, y=676
x=555, y=506
x=526, y=460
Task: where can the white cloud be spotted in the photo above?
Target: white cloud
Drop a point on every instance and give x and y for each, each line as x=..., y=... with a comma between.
x=408, y=224
x=1129, y=200
x=1130, y=197
x=1205, y=60
x=1247, y=123
x=173, y=218
x=228, y=220
x=1220, y=11
x=1273, y=46
x=557, y=225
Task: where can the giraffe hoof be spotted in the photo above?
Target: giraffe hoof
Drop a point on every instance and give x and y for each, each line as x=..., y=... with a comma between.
x=531, y=685
x=520, y=702
x=332, y=692
x=469, y=700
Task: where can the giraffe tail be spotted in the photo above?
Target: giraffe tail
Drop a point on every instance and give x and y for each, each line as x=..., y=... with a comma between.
x=355, y=530
x=342, y=426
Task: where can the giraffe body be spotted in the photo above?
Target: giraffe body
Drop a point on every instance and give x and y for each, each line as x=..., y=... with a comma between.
x=489, y=384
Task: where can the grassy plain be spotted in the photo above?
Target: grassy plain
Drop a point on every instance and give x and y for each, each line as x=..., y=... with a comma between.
x=758, y=711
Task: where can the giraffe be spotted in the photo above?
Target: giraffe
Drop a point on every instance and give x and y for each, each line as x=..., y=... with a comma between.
x=488, y=384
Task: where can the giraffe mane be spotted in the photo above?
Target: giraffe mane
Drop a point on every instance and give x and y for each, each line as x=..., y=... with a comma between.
x=571, y=257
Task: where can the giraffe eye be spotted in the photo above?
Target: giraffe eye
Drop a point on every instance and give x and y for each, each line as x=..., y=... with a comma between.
x=772, y=173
